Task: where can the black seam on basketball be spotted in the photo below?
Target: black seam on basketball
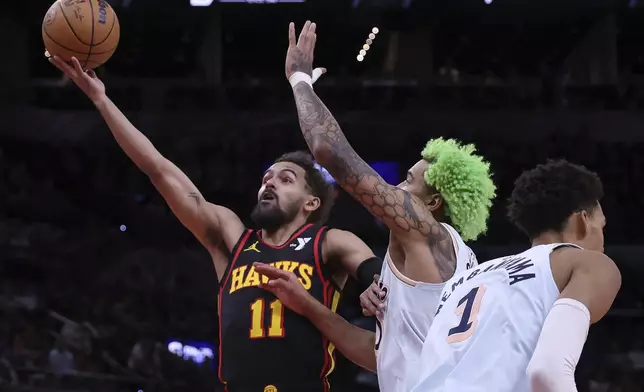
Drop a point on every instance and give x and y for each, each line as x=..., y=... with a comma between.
x=62, y=10
x=72, y=50
x=109, y=32
x=91, y=46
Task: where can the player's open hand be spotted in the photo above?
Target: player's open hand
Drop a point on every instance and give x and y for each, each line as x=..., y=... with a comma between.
x=285, y=286
x=299, y=57
x=372, y=300
x=85, y=80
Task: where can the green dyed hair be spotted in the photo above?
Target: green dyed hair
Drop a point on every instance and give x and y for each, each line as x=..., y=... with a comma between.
x=464, y=180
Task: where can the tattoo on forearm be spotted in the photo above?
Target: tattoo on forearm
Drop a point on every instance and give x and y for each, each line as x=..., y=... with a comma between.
x=321, y=131
x=196, y=197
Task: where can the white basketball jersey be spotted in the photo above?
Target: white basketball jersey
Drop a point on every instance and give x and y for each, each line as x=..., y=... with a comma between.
x=410, y=308
x=487, y=326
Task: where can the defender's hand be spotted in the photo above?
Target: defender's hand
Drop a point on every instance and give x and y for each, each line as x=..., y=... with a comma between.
x=286, y=287
x=299, y=56
x=85, y=80
x=372, y=300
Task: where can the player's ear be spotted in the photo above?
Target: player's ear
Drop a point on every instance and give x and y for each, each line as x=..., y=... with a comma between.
x=312, y=204
x=434, y=201
x=585, y=219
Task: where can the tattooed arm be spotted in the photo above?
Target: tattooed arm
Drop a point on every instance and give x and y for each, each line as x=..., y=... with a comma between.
x=405, y=215
x=210, y=223
x=398, y=209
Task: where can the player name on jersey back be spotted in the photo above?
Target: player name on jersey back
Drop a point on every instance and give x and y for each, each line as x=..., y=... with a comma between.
x=263, y=344
x=487, y=325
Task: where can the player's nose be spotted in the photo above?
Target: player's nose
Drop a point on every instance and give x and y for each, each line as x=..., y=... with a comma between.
x=270, y=184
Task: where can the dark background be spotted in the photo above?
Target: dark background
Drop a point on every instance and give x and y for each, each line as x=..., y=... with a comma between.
x=524, y=80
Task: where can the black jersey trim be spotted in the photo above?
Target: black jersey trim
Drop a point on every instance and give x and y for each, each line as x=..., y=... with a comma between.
x=222, y=286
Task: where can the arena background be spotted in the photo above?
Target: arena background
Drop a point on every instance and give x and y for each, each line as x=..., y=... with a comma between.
x=103, y=290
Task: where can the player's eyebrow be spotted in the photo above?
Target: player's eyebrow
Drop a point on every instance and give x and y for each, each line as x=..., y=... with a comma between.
x=410, y=175
x=290, y=170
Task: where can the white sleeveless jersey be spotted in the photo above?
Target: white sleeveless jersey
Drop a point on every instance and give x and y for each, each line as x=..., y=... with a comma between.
x=487, y=326
x=410, y=309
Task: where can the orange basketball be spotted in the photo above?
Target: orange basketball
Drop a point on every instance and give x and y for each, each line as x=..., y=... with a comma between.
x=86, y=29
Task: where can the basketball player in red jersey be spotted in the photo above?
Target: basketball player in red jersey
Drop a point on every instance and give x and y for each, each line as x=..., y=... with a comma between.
x=263, y=345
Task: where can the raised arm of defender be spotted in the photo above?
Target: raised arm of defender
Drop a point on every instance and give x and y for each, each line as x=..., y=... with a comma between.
x=402, y=212
x=210, y=223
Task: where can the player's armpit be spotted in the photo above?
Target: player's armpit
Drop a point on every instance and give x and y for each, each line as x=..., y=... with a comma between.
x=352, y=253
x=210, y=223
x=399, y=210
x=594, y=281
x=355, y=343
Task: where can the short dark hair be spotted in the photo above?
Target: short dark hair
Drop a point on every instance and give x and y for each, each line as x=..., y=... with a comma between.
x=544, y=197
x=315, y=182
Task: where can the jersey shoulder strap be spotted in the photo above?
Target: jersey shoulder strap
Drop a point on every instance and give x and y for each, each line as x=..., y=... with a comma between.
x=234, y=253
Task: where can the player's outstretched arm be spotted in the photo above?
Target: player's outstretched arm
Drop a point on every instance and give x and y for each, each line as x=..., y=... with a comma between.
x=355, y=343
x=593, y=281
x=210, y=223
x=398, y=209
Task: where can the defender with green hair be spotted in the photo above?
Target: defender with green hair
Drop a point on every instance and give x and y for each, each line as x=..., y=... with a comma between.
x=463, y=180
x=445, y=198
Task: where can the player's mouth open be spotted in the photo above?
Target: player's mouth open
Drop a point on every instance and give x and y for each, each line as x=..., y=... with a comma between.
x=268, y=197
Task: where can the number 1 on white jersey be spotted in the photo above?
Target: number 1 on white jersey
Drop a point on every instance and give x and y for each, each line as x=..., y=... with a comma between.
x=468, y=310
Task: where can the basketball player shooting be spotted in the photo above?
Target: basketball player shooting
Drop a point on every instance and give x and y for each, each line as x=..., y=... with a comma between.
x=531, y=310
x=292, y=204
x=444, y=200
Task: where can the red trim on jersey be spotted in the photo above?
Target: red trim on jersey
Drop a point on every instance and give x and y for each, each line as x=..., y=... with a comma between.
x=240, y=246
x=317, y=258
x=286, y=243
x=327, y=295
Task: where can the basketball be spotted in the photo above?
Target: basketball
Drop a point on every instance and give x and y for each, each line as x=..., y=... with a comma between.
x=86, y=29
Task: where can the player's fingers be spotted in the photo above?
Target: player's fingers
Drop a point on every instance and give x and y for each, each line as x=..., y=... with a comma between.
x=317, y=73
x=291, y=35
x=368, y=307
x=268, y=287
x=313, y=38
x=375, y=298
x=63, y=66
x=308, y=41
x=270, y=271
x=376, y=278
x=302, y=39
x=77, y=66
x=91, y=73
x=57, y=64
x=380, y=294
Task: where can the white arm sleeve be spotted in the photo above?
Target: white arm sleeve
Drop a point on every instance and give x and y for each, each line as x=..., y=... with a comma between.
x=552, y=367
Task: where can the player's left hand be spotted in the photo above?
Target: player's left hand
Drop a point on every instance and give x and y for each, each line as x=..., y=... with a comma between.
x=299, y=57
x=285, y=286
